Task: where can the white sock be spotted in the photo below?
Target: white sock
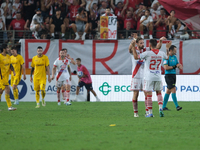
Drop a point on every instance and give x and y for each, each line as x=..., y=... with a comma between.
x=63, y=34
x=36, y=33
x=84, y=33
x=38, y=104
x=52, y=34
x=76, y=96
x=76, y=34
x=160, y=107
x=150, y=111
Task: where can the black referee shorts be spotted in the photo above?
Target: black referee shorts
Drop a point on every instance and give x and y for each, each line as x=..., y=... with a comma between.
x=170, y=79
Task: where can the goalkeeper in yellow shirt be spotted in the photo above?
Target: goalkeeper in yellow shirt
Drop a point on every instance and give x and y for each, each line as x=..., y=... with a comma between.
x=40, y=67
x=5, y=67
x=17, y=62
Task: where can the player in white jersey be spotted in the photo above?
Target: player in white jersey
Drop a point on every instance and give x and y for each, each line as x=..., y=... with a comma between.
x=152, y=74
x=63, y=89
x=63, y=75
x=37, y=23
x=138, y=71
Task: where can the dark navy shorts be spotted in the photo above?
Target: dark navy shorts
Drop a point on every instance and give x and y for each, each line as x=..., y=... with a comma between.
x=87, y=86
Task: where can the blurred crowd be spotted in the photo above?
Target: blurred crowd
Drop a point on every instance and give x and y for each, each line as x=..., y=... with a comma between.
x=79, y=19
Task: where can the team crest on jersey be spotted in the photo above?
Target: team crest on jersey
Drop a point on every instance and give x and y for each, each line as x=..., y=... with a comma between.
x=63, y=67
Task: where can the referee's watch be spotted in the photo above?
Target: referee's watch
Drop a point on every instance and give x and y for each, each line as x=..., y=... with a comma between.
x=174, y=67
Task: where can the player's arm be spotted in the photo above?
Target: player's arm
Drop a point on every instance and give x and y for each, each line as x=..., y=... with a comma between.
x=48, y=73
x=72, y=60
x=53, y=72
x=159, y=45
x=12, y=69
x=134, y=50
x=24, y=71
x=70, y=73
x=32, y=70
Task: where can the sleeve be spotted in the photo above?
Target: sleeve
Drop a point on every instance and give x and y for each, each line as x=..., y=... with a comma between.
x=21, y=60
x=85, y=72
x=32, y=63
x=55, y=63
x=165, y=56
x=150, y=19
x=47, y=62
x=142, y=18
x=165, y=62
x=143, y=55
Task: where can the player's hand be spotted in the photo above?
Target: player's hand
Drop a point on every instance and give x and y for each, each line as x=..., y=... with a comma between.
x=133, y=43
x=49, y=79
x=168, y=45
x=52, y=77
x=179, y=66
x=31, y=79
x=24, y=77
x=163, y=38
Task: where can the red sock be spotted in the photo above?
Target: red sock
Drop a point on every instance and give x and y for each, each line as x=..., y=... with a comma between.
x=149, y=101
x=146, y=104
x=67, y=95
x=58, y=96
x=150, y=32
x=141, y=32
x=160, y=99
x=135, y=106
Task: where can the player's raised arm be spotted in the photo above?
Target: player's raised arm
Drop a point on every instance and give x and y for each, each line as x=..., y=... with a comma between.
x=32, y=70
x=134, y=50
x=159, y=45
x=167, y=48
x=48, y=73
x=72, y=60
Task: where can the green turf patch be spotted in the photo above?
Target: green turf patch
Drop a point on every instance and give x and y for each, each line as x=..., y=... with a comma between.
x=86, y=126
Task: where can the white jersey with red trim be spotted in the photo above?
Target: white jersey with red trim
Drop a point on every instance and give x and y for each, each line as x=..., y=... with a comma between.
x=60, y=64
x=138, y=65
x=152, y=66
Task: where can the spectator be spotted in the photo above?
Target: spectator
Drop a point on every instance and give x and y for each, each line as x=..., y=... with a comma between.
x=16, y=7
x=102, y=9
x=155, y=12
x=128, y=30
x=43, y=5
x=119, y=12
x=171, y=24
x=37, y=23
x=57, y=24
x=129, y=18
x=80, y=25
x=7, y=8
x=90, y=3
x=130, y=5
x=139, y=13
x=108, y=12
x=161, y=24
x=73, y=10
x=17, y=25
x=29, y=8
x=3, y=15
x=52, y=6
x=2, y=28
x=146, y=23
x=94, y=17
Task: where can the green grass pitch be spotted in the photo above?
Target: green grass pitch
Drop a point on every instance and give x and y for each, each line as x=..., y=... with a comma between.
x=85, y=126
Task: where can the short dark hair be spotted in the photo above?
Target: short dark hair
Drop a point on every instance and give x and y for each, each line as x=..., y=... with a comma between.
x=14, y=48
x=172, y=10
x=138, y=39
x=172, y=47
x=153, y=43
x=147, y=10
x=4, y=46
x=78, y=59
x=64, y=49
x=39, y=47
x=80, y=9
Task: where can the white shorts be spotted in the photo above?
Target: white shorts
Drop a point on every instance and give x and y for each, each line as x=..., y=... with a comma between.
x=32, y=28
x=136, y=84
x=152, y=85
x=59, y=84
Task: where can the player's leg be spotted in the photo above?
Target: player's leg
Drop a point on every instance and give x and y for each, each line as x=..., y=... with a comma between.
x=146, y=108
x=63, y=92
x=67, y=92
x=7, y=97
x=14, y=83
x=90, y=88
x=135, y=102
x=59, y=86
x=166, y=98
x=158, y=86
x=148, y=87
x=37, y=92
x=43, y=93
